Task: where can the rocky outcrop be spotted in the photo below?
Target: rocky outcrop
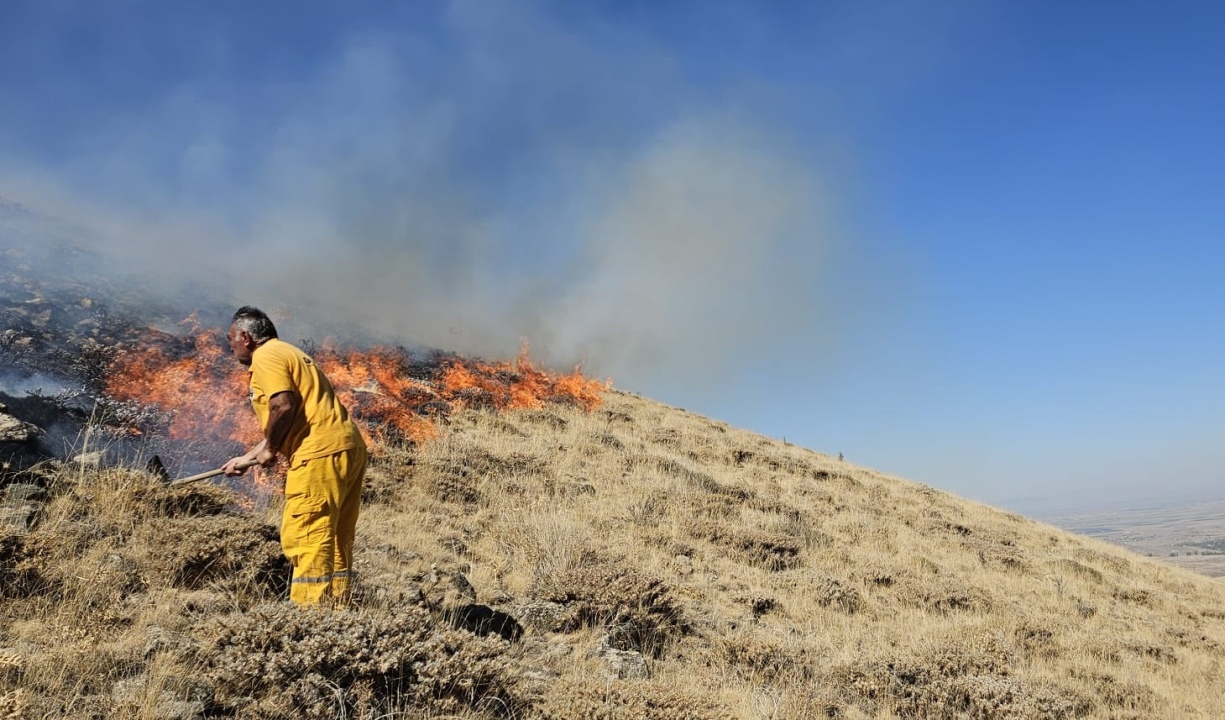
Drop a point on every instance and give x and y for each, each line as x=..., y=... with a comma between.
x=20, y=500
x=16, y=430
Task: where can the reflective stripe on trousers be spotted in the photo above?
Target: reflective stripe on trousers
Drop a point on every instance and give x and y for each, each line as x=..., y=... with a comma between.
x=323, y=579
x=322, y=499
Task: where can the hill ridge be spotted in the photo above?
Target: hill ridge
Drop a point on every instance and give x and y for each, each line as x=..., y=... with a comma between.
x=661, y=564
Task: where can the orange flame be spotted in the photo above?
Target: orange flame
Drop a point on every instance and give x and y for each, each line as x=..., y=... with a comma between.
x=374, y=386
x=393, y=397
x=516, y=386
x=200, y=388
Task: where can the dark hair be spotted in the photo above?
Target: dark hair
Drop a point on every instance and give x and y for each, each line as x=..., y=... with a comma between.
x=254, y=322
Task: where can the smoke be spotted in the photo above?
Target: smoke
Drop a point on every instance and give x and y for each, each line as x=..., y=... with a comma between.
x=495, y=175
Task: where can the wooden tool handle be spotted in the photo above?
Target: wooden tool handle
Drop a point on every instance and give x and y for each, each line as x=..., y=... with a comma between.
x=211, y=473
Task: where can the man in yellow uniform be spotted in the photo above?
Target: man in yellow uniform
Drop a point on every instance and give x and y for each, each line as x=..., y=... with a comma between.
x=304, y=422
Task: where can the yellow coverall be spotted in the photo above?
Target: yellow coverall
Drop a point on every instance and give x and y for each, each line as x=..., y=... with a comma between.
x=327, y=464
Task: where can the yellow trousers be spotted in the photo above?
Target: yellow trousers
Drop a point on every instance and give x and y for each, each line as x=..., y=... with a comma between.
x=322, y=499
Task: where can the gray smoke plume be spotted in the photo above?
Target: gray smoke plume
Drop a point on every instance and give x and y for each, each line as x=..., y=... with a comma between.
x=590, y=202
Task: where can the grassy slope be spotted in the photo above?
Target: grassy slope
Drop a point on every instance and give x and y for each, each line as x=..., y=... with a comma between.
x=760, y=579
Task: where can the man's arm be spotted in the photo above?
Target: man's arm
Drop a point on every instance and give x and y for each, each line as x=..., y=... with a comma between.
x=282, y=408
x=239, y=465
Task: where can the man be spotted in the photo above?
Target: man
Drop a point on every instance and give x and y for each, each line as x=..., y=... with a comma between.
x=305, y=423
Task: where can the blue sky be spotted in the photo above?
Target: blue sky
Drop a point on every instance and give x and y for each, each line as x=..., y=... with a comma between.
x=977, y=245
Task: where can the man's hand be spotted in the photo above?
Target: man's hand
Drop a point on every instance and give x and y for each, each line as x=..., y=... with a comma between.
x=238, y=465
x=265, y=457
x=258, y=455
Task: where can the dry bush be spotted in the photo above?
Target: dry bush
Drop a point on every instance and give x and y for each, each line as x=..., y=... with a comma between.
x=753, y=546
x=796, y=523
x=1097, y=559
x=969, y=679
x=1116, y=694
x=616, y=417
x=999, y=556
x=941, y=594
x=25, y=567
x=552, y=419
x=721, y=509
x=594, y=700
x=763, y=659
x=319, y=663
x=228, y=551
x=639, y=612
x=993, y=697
x=697, y=479
x=1077, y=569
x=387, y=477
x=770, y=457
x=1036, y=639
x=1136, y=595
x=608, y=439
x=457, y=476
x=834, y=593
x=12, y=705
x=650, y=510
x=880, y=574
x=74, y=674
x=192, y=499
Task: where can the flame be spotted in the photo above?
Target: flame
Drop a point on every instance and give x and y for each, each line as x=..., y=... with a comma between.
x=374, y=386
x=393, y=395
x=198, y=384
x=516, y=385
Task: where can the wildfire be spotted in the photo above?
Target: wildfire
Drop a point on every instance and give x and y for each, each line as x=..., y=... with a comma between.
x=198, y=384
x=393, y=395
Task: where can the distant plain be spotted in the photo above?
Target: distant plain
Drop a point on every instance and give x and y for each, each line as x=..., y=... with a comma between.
x=1191, y=535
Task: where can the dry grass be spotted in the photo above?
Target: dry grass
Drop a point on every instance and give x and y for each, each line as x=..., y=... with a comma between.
x=755, y=579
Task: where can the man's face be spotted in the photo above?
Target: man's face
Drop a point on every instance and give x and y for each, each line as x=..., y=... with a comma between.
x=241, y=345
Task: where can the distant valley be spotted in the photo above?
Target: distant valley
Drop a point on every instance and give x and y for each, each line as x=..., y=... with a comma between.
x=1191, y=536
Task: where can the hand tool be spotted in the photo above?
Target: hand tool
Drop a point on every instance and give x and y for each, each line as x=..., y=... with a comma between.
x=211, y=473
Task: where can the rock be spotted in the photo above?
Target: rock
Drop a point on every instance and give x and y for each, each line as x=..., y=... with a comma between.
x=18, y=431
x=160, y=640
x=129, y=690
x=91, y=459
x=446, y=588
x=179, y=710
x=395, y=553
x=541, y=660
x=540, y=616
x=621, y=664
x=462, y=586
x=157, y=469
x=483, y=620
x=20, y=516
x=17, y=493
x=12, y=663
x=182, y=698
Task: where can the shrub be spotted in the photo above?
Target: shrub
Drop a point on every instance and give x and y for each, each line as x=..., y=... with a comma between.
x=24, y=565
x=227, y=550
x=639, y=611
x=761, y=548
x=319, y=662
x=594, y=700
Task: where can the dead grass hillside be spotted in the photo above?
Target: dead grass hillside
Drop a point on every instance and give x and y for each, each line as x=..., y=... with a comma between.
x=637, y=561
